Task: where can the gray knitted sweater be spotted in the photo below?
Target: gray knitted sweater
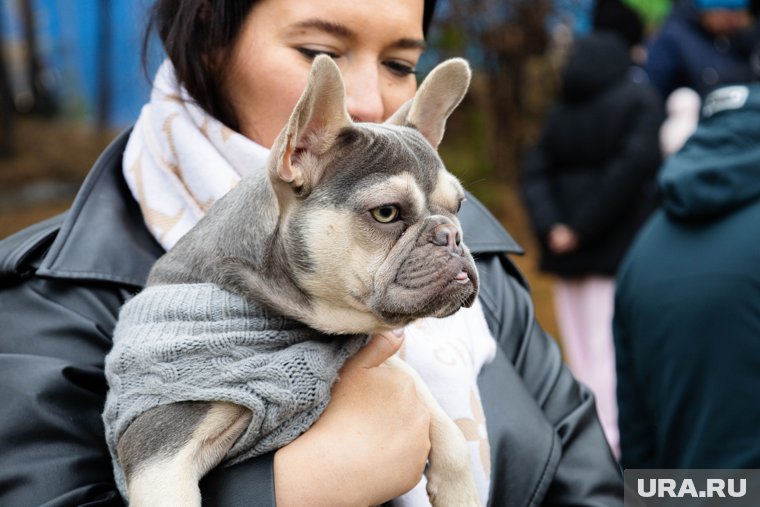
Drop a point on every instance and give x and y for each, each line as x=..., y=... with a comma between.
x=199, y=342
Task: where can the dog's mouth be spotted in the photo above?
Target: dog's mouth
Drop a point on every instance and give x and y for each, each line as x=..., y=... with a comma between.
x=462, y=278
x=429, y=286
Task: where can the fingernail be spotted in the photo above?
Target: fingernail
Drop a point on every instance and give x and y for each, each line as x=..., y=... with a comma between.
x=399, y=332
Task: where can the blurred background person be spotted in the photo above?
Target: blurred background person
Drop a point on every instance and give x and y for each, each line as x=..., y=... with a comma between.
x=687, y=309
x=616, y=16
x=703, y=44
x=588, y=185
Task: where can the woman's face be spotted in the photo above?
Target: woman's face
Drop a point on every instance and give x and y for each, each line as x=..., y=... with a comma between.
x=376, y=44
x=725, y=22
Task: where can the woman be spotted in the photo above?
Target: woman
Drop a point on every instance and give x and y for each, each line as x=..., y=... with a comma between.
x=588, y=186
x=702, y=45
x=64, y=280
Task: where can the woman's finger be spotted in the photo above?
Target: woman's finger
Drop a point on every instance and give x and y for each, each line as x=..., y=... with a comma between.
x=382, y=346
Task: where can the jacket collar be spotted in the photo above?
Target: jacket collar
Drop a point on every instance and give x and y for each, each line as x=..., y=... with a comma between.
x=104, y=239
x=482, y=232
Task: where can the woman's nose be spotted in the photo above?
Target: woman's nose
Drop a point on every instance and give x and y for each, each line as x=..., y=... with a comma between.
x=364, y=99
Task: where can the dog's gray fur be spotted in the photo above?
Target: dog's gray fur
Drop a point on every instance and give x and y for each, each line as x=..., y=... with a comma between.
x=301, y=239
x=158, y=432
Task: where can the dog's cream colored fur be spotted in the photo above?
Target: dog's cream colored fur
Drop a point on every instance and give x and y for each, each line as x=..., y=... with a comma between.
x=173, y=480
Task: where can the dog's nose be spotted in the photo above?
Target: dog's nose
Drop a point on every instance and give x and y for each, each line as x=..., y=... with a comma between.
x=448, y=235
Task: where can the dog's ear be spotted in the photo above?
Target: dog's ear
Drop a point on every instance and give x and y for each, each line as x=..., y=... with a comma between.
x=439, y=94
x=316, y=120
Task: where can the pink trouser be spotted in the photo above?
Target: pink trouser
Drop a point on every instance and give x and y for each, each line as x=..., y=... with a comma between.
x=584, y=315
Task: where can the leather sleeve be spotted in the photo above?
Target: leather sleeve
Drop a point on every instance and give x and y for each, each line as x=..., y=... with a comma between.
x=52, y=388
x=586, y=472
x=248, y=483
x=54, y=336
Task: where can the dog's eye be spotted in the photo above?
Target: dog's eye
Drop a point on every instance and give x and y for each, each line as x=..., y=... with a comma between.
x=311, y=53
x=385, y=214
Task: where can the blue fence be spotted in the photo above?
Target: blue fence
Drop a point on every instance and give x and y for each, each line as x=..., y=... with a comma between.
x=70, y=36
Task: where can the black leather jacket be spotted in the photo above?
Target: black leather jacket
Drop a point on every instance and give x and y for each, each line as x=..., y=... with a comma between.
x=63, y=280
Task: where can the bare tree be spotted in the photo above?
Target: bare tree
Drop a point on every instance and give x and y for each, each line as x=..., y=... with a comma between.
x=501, y=37
x=43, y=101
x=104, y=63
x=7, y=111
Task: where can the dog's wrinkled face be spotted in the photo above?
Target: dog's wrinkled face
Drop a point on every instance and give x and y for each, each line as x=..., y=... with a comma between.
x=380, y=232
x=368, y=213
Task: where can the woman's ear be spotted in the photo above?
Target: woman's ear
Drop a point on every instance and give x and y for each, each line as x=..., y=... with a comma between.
x=439, y=94
x=316, y=120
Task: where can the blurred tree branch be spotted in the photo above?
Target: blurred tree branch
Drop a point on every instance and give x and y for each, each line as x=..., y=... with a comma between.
x=7, y=112
x=42, y=101
x=501, y=38
x=105, y=44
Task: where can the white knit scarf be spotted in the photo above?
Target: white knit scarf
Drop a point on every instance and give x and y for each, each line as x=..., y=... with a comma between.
x=179, y=161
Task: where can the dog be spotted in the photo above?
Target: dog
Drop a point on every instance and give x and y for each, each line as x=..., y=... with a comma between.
x=352, y=229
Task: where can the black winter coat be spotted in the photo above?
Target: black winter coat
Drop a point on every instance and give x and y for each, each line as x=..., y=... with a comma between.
x=594, y=167
x=62, y=282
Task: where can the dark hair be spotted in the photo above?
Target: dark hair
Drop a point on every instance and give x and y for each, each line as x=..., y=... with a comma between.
x=615, y=16
x=194, y=32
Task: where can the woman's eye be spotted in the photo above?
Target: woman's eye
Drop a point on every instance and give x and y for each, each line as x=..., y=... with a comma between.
x=386, y=214
x=313, y=53
x=399, y=68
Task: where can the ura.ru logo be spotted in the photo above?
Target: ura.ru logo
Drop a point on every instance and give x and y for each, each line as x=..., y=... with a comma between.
x=670, y=488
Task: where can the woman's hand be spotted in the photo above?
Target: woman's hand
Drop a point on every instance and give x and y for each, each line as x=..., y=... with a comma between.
x=562, y=239
x=369, y=446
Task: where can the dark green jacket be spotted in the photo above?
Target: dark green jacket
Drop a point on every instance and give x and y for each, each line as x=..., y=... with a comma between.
x=687, y=311
x=62, y=283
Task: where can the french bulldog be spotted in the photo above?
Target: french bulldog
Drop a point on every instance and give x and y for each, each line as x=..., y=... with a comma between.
x=352, y=229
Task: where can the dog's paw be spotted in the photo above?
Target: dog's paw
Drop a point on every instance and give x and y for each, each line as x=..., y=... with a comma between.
x=453, y=492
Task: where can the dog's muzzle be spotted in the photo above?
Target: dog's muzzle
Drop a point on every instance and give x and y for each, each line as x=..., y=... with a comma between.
x=448, y=235
x=435, y=279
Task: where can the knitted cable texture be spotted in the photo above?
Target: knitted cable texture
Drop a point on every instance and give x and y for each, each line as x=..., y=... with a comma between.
x=201, y=343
